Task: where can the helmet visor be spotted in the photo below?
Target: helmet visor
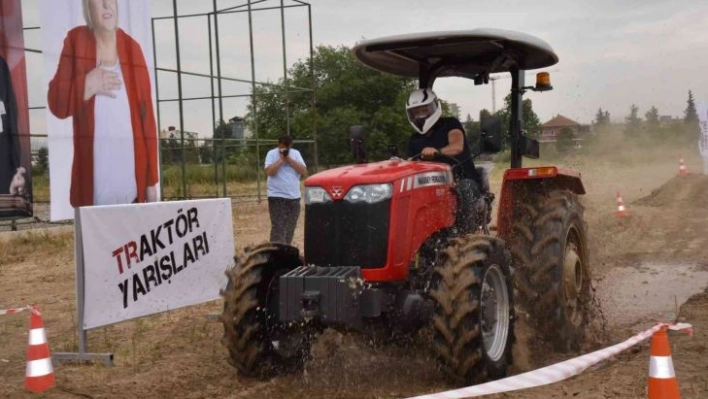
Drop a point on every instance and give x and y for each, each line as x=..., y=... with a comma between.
x=421, y=113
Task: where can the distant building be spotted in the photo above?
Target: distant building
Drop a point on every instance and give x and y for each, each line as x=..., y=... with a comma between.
x=551, y=129
x=666, y=120
x=239, y=128
x=173, y=133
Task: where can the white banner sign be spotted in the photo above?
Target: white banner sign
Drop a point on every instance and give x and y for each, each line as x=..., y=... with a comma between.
x=703, y=141
x=148, y=258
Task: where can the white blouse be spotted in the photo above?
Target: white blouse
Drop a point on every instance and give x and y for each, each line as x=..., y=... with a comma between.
x=113, y=151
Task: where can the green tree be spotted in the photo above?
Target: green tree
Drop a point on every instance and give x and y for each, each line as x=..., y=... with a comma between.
x=42, y=162
x=222, y=146
x=206, y=152
x=43, y=158
x=565, y=142
x=450, y=109
x=468, y=123
x=602, y=118
x=472, y=130
x=531, y=121
x=653, y=126
x=690, y=114
x=633, y=124
x=347, y=93
x=690, y=131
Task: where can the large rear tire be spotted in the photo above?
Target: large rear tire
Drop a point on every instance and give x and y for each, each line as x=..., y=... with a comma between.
x=553, y=276
x=474, y=313
x=258, y=344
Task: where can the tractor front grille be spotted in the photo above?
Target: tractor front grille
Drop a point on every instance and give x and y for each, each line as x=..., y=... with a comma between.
x=339, y=233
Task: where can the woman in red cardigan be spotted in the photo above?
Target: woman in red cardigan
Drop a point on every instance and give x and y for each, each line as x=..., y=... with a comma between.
x=103, y=83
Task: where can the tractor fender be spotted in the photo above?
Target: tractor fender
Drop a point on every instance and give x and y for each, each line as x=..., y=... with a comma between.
x=519, y=183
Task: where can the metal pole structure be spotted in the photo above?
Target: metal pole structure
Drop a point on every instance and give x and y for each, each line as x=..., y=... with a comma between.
x=517, y=115
x=494, y=94
x=254, y=102
x=213, y=107
x=83, y=353
x=179, y=94
x=285, y=69
x=157, y=105
x=314, y=86
x=221, y=102
x=228, y=79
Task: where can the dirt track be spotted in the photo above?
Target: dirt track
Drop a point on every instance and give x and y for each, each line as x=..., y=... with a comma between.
x=663, y=243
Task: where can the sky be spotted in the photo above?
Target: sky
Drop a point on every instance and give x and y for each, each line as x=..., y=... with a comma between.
x=613, y=53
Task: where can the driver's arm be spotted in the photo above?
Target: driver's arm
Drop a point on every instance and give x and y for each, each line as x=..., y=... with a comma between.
x=456, y=143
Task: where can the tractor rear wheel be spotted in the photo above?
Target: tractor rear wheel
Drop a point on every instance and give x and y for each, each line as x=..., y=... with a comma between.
x=258, y=344
x=474, y=313
x=553, y=276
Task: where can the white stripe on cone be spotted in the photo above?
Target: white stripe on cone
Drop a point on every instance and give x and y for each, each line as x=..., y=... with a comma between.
x=661, y=367
x=39, y=368
x=37, y=336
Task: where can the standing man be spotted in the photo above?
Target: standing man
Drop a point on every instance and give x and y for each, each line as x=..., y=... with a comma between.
x=284, y=166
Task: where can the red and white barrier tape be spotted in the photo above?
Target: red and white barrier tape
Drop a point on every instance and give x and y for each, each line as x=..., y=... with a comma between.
x=555, y=373
x=18, y=310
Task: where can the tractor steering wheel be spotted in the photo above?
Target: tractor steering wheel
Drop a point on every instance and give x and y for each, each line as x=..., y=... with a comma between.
x=419, y=157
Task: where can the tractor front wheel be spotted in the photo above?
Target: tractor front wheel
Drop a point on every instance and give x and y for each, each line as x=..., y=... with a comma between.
x=258, y=344
x=474, y=313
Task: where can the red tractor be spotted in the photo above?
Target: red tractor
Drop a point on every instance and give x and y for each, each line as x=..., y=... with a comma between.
x=383, y=248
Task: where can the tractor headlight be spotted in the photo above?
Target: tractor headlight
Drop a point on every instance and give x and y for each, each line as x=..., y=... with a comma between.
x=316, y=195
x=370, y=193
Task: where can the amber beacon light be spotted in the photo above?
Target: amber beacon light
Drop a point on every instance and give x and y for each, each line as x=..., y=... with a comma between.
x=543, y=81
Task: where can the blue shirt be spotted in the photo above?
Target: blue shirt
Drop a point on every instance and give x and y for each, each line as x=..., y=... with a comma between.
x=285, y=183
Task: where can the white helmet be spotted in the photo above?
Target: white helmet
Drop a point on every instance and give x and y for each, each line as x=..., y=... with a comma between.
x=423, y=110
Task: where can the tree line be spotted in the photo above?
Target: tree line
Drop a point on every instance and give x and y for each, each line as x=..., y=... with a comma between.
x=654, y=128
x=348, y=93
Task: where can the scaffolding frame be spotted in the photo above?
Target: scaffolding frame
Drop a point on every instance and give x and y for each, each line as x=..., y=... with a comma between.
x=215, y=63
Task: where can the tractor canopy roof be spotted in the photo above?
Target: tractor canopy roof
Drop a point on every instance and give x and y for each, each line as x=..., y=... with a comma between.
x=472, y=54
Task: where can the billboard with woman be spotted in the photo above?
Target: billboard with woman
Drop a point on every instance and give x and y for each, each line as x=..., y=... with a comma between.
x=103, y=144
x=15, y=155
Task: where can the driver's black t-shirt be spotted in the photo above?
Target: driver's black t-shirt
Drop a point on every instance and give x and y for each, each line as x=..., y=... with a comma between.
x=438, y=137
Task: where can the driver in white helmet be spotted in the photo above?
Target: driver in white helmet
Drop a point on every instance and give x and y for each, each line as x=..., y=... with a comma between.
x=437, y=135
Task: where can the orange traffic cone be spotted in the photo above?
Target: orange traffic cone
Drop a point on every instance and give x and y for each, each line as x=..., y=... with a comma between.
x=682, y=168
x=621, y=209
x=662, y=378
x=39, y=374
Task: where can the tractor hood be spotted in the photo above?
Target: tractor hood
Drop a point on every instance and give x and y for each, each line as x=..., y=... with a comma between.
x=342, y=179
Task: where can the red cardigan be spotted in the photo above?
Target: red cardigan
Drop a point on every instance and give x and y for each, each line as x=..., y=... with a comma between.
x=65, y=99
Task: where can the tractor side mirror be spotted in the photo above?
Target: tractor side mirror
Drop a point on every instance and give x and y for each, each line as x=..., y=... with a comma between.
x=357, y=143
x=491, y=134
x=530, y=148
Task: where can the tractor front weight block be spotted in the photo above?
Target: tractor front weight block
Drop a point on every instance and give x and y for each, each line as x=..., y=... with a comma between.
x=330, y=295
